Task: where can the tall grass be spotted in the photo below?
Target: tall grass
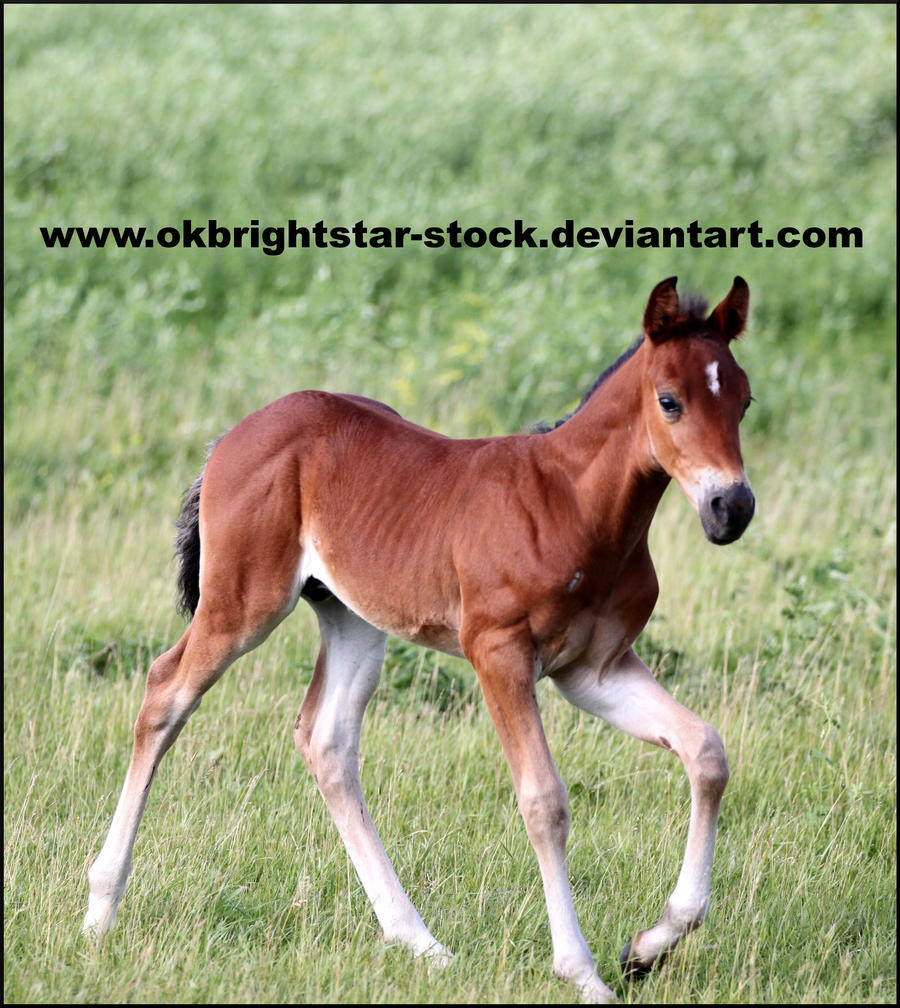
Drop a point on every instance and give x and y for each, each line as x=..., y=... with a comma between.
x=120, y=366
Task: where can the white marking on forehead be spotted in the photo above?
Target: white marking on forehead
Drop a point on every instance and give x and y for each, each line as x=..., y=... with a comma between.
x=712, y=377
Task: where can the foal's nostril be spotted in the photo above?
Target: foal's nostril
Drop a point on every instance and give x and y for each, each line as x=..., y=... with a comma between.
x=726, y=514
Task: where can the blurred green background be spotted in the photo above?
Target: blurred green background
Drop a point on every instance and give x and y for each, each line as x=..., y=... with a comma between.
x=118, y=360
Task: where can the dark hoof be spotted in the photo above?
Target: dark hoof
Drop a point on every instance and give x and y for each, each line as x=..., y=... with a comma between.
x=632, y=969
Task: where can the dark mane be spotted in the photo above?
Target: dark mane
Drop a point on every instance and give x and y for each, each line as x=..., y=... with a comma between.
x=691, y=319
x=544, y=426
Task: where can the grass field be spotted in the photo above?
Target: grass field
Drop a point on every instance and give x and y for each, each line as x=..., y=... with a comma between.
x=121, y=365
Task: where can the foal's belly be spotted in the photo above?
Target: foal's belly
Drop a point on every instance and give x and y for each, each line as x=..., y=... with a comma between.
x=431, y=622
x=425, y=630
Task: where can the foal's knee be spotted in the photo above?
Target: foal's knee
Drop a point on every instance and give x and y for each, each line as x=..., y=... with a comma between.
x=711, y=763
x=545, y=812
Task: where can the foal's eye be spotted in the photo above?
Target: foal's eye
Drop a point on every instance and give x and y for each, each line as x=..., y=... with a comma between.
x=747, y=406
x=669, y=405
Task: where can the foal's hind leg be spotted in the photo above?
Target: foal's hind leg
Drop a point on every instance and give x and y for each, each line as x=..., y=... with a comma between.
x=243, y=596
x=327, y=734
x=175, y=682
x=629, y=697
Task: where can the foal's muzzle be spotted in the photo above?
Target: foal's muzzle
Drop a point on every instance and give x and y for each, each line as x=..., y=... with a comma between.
x=726, y=512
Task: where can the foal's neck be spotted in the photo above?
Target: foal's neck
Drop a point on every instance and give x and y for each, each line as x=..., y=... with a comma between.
x=605, y=452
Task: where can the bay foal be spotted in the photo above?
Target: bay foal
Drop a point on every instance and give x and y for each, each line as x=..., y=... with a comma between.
x=526, y=554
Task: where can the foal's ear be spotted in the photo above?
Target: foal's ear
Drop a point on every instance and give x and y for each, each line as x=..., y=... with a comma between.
x=730, y=315
x=662, y=309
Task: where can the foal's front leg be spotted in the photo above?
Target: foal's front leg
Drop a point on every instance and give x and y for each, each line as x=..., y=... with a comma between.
x=629, y=697
x=506, y=671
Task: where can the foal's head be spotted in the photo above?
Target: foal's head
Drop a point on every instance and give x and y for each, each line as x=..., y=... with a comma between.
x=694, y=395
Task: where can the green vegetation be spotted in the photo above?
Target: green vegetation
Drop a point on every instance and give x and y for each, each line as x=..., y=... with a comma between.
x=121, y=365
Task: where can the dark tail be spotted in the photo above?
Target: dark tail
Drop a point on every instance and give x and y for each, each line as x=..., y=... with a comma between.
x=187, y=544
x=187, y=549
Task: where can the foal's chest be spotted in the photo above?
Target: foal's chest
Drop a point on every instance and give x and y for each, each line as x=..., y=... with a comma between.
x=595, y=623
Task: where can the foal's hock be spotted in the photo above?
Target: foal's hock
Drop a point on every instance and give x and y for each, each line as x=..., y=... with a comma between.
x=526, y=554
